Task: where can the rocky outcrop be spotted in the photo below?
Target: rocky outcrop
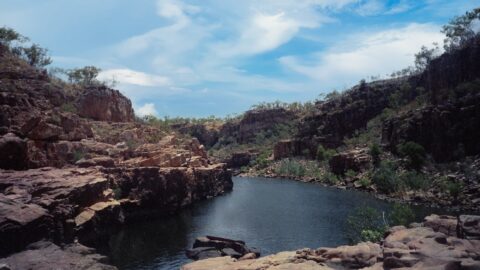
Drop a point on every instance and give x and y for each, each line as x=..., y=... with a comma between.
x=239, y=159
x=417, y=247
x=356, y=160
x=206, y=133
x=339, y=118
x=45, y=255
x=61, y=204
x=104, y=104
x=451, y=69
x=253, y=122
x=469, y=227
x=291, y=148
x=212, y=247
x=449, y=131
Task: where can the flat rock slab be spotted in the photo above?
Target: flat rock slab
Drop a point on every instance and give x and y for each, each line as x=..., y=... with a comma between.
x=46, y=256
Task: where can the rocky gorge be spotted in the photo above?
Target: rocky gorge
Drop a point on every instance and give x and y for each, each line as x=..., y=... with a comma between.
x=74, y=166
x=77, y=166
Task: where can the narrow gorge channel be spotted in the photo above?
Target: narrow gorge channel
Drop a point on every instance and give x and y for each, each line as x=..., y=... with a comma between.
x=271, y=214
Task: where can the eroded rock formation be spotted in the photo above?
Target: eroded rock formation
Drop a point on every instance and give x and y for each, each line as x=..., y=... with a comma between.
x=104, y=104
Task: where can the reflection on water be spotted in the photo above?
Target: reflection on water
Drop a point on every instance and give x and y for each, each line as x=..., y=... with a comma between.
x=273, y=215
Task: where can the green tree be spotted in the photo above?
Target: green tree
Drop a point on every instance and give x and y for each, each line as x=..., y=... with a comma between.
x=386, y=179
x=414, y=152
x=460, y=29
x=8, y=35
x=401, y=214
x=36, y=56
x=425, y=56
x=375, y=152
x=324, y=154
x=84, y=76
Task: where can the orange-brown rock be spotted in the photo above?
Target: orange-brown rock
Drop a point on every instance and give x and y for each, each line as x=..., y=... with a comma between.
x=105, y=104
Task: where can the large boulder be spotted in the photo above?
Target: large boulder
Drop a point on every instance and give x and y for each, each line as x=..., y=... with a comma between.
x=212, y=246
x=13, y=152
x=45, y=255
x=253, y=122
x=291, y=148
x=104, y=104
x=423, y=248
x=444, y=224
x=239, y=159
x=351, y=257
x=356, y=160
x=469, y=227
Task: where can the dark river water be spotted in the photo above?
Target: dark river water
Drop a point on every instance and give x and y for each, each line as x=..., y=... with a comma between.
x=272, y=215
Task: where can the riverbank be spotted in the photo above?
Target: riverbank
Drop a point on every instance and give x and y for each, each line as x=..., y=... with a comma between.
x=434, y=194
x=440, y=242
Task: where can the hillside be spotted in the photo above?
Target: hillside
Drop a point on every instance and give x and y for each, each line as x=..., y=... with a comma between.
x=434, y=115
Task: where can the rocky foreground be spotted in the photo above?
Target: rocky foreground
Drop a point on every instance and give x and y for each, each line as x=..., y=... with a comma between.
x=440, y=242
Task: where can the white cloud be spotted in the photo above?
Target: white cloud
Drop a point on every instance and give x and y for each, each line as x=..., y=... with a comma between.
x=370, y=7
x=147, y=109
x=402, y=6
x=128, y=76
x=368, y=54
x=263, y=33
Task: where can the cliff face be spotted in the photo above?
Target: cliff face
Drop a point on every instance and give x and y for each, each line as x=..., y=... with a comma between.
x=451, y=69
x=447, y=123
x=253, y=122
x=448, y=128
x=62, y=204
x=104, y=104
x=448, y=131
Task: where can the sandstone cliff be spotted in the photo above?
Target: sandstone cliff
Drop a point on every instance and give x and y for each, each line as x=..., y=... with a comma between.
x=74, y=166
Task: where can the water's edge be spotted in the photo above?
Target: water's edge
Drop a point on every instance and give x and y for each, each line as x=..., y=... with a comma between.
x=271, y=214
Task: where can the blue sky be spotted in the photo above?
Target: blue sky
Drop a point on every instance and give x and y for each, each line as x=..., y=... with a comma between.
x=219, y=57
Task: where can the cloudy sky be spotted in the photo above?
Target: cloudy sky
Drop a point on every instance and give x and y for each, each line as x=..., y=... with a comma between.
x=204, y=57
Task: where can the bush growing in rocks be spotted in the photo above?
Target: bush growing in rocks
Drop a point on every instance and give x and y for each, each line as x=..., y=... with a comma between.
x=414, y=153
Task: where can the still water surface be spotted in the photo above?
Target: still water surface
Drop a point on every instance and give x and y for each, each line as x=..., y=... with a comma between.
x=270, y=214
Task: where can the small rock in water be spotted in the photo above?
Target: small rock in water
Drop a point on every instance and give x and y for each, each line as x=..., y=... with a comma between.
x=212, y=246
